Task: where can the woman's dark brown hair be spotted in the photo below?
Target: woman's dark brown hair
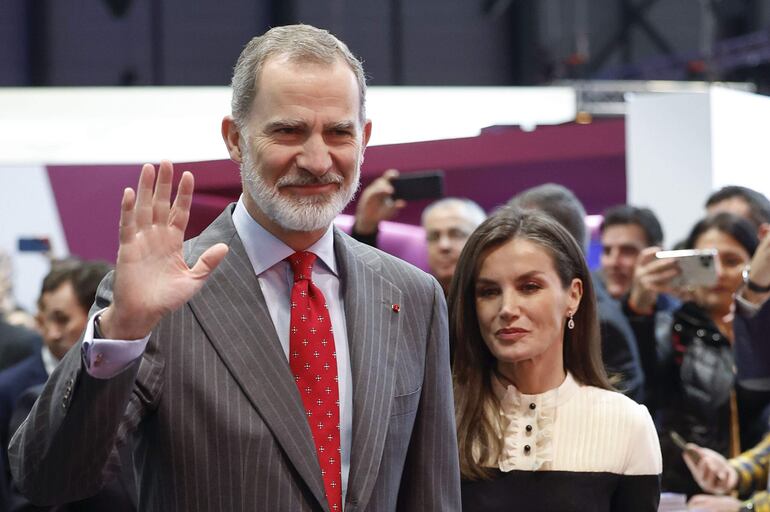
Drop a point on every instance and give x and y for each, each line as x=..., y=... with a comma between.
x=474, y=364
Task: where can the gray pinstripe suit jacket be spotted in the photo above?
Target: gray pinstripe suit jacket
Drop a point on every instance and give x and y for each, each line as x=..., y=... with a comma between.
x=215, y=420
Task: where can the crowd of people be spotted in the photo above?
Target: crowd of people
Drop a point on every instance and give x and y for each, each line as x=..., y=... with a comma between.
x=275, y=363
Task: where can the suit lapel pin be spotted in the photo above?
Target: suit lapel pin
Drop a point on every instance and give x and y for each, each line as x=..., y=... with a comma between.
x=396, y=308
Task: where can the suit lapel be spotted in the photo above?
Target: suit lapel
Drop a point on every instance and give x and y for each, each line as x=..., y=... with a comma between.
x=373, y=332
x=232, y=311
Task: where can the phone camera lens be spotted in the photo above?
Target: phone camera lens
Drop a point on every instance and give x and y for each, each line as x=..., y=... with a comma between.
x=705, y=261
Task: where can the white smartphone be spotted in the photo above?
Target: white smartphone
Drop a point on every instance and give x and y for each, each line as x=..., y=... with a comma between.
x=699, y=266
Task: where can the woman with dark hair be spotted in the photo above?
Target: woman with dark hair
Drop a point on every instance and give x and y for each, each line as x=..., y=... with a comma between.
x=539, y=425
x=696, y=356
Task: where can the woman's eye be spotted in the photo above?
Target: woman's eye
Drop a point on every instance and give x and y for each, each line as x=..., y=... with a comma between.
x=486, y=292
x=530, y=287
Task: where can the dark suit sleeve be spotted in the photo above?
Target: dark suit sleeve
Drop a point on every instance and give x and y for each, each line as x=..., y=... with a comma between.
x=68, y=446
x=431, y=479
x=752, y=348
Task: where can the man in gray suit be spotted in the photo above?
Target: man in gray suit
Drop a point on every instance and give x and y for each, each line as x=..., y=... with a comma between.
x=188, y=360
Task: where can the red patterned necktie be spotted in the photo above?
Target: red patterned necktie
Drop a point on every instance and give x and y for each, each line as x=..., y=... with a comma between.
x=313, y=361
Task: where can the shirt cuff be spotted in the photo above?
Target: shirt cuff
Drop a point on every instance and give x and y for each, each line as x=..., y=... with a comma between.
x=105, y=358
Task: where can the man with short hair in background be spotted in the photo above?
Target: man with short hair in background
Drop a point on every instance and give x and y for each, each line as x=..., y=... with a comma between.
x=65, y=298
x=630, y=273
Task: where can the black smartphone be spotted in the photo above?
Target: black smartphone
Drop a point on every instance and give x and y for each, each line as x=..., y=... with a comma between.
x=34, y=244
x=419, y=185
x=682, y=445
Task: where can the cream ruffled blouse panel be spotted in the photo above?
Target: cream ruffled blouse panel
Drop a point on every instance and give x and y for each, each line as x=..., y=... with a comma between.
x=574, y=428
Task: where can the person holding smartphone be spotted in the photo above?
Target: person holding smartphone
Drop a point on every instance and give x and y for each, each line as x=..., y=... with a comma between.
x=696, y=362
x=744, y=475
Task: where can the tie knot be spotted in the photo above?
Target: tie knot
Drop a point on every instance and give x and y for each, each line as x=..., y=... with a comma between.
x=302, y=265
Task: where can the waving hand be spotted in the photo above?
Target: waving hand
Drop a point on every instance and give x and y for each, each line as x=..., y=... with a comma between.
x=151, y=276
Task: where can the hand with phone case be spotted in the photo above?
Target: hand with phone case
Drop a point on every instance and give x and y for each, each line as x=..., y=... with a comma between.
x=377, y=204
x=710, y=469
x=652, y=276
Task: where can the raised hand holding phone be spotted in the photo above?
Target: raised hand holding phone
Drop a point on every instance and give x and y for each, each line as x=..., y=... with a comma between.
x=151, y=276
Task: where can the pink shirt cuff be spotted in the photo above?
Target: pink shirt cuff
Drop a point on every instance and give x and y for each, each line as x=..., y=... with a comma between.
x=105, y=358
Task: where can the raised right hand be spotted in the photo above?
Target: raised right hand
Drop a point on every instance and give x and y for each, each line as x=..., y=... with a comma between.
x=377, y=204
x=151, y=276
x=712, y=471
x=651, y=277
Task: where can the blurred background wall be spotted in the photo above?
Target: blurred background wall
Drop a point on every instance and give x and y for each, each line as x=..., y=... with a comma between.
x=426, y=42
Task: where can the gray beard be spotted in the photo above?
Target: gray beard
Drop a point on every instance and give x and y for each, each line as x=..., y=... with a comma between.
x=310, y=213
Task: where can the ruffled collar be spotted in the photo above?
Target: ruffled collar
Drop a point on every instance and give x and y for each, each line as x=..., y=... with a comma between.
x=526, y=424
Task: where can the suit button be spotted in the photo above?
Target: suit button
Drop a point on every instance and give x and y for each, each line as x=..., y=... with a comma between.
x=529, y=428
x=527, y=449
x=532, y=406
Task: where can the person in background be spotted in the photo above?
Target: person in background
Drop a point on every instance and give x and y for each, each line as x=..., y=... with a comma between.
x=745, y=475
x=619, y=350
x=696, y=355
x=447, y=222
x=752, y=318
x=18, y=340
x=539, y=425
x=741, y=201
x=630, y=273
x=10, y=311
x=65, y=298
x=66, y=295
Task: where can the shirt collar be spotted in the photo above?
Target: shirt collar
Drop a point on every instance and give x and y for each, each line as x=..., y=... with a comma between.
x=49, y=360
x=265, y=250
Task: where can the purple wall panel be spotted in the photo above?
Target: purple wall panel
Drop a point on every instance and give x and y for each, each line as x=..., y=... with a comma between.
x=490, y=169
x=88, y=199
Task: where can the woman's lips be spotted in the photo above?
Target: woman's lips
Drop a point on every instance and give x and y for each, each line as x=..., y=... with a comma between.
x=511, y=333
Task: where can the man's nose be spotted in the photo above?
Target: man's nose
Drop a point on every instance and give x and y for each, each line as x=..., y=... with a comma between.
x=315, y=156
x=53, y=332
x=444, y=242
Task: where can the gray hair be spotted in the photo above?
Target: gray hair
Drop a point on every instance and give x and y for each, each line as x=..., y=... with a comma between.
x=560, y=203
x=300, y=43
x=473, y=212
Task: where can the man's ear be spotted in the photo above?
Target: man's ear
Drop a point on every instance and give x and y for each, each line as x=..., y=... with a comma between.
x=232, y=137
x=366, y=134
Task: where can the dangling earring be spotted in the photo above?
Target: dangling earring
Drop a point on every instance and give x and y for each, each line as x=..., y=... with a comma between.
x=571, y=323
